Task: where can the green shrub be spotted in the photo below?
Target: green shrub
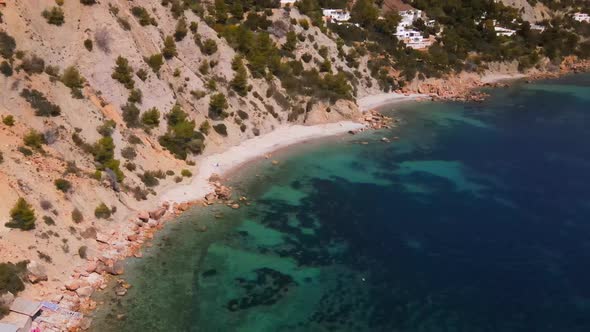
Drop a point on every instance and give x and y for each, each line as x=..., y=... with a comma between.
x=181, y=30
x=240, y=81
x=63, y=185
x=131, y=115
x=186, y=173
x=208, y=47
x=143, y=16
x=149, y=179
x=8, y=120
x=6, y=69
x=34, y=140
x=42, y=106
x=10, y=277
x=181, y=137
x=102, y=211
x=221, y=129
x=135, y=96
x=107, y=128
x=142, y=74
x=155, y=61
x=72, y=79
x=7, y=45
x=133, y=139
x=205, y=127
x=52, y=71
x=22, y=216
x=88, y=45
x=217, y=106
x=77, y=216
x=54, y=16
x=169, y=50
x=1, y=157
x=123, y=73
x=151, y=118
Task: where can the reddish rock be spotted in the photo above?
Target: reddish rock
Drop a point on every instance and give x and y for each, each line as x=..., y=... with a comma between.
x=73, y=285
x=157, y=214
x=143, y=216
x=85, y=291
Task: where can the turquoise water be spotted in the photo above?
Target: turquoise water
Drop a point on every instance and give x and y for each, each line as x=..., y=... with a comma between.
x=476, y=219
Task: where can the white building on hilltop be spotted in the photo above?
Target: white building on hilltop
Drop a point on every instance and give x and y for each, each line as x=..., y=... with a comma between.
x=582, y=17
x=336, y=15
x=409, y=36
x=287, y=2
x=500, y=31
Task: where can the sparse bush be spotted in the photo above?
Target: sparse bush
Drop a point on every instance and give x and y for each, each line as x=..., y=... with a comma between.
x=102, y=211
x=198, y=94
x=221, y=129
x=22, y=216
x=142, y=74
x=128, y=153
x=8, y=120
x=63, y=185
x=33, y=64
x=103, y=40
x=42, y=106
x=48, y=221
x=53, y=72
x=133, y=139
x=26, y=152
x=77, y=216
x=88, y=45
x=34, y=140
x=143, y=16
x=186, y=173
x=155, y=61
x=43, y=256
x=45, y=204
x=130, y=166
x=6, y=69
x=169, y=50
x=208, y=47
x=72, y=79
x=88, y=2
x=306, y=57
x=205, y=127
x=107, y=128
x=149, y=178
x=123, y=73
x=54, y=16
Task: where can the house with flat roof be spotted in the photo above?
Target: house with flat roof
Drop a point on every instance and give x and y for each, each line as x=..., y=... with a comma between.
x=582, y=17
x=336, y=15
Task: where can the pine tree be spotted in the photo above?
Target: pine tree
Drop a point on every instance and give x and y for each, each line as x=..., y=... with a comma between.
x=240, y=81
x=22, y=216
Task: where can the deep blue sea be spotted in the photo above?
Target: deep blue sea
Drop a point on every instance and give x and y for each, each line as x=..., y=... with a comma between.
x=476, y=219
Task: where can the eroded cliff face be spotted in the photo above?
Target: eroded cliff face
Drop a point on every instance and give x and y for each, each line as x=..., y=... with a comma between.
x=183, y=79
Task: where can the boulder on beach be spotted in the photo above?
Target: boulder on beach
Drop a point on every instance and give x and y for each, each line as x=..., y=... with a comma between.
x=36, y=272
x=143, y=216
x=85, y=291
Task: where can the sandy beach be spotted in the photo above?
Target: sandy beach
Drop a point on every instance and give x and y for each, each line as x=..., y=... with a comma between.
x=382, y=99
x=226, y=161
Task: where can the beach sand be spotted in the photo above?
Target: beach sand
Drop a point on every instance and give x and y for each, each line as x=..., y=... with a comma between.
x=224, y=162
x=382, y=99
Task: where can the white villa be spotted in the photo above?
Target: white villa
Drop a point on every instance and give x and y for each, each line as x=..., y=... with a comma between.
x=500, y=31
x=336, y=15
x=537, y=27
x=582, y=17
x=409, y=36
